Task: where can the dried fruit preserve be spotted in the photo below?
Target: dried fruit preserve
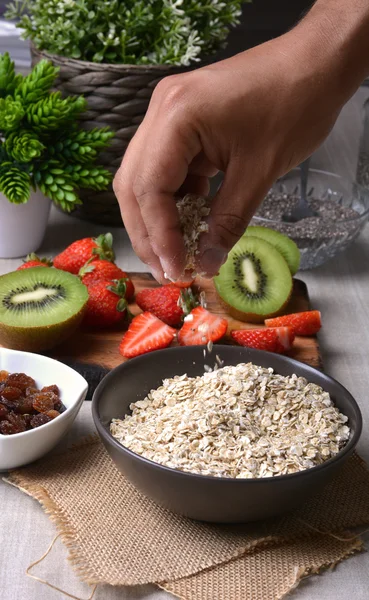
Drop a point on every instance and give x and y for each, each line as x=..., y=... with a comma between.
x=23, y=406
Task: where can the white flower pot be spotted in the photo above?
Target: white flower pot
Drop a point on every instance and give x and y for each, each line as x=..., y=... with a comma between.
x=23, y=226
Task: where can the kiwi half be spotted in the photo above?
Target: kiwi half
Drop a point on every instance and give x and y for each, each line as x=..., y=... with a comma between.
x=284, y=244
x=39, y=307
x=255, y=281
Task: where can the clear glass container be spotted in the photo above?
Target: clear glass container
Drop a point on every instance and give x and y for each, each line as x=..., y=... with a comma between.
x=362, y=174
x=342, y=208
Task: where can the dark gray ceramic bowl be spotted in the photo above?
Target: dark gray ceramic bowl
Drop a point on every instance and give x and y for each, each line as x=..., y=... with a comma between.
x=208, y=498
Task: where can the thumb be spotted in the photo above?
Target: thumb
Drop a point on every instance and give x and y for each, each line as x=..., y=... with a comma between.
x=231, y=211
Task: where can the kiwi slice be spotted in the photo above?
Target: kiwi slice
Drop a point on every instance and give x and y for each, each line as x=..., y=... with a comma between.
x=283, y=243
x=255, y=281
x=39, y=307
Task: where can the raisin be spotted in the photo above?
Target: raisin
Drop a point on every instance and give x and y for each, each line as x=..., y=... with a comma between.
x=16, y=420
x=13, y=424
x=11, y=393
x=24, y=406
x=43, y=402
x=54, y=398
x=59, y=405
x=27, y=420
x=52, y=414
x=51, y=388
x=4, y=411
x=7, y=428
x=21, y=381
x=31, y=390
x=39, y=419
x=8, y=403
x=3, y=375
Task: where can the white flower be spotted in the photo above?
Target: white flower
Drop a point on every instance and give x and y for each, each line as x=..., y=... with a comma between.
x=193, y=49
x=174, y=6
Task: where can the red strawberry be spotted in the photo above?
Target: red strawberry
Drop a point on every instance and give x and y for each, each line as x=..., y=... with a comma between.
x=169, y=303
x=278, y=340
x=303, y=323
x=145, y=334
x=33, y=260
x=103, y=269
x=182, y=284
x=106, y=304
x=200, y=327
x=77, y=254
x=162, y=302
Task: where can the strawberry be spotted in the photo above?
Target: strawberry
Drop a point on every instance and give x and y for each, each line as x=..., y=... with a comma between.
x=303, y=323
x=100, y=269
x=278, y=340
x=106, y=304
x=77, y=254
x=169, y=303
x=162, y=302
x=33, y=260
x=200, y=327
x=145, y=334
x=182, y=284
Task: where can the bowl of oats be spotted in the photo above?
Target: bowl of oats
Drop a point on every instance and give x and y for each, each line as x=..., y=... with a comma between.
x=251, y=438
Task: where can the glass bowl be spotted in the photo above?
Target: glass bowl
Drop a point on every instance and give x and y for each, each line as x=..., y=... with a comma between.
x=342, y=206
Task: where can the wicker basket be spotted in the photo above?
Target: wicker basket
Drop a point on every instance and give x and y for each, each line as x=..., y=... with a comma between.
x=118, y=97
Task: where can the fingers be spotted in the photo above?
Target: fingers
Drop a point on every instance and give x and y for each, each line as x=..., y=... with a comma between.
x=160, y=174
x=137, y=232
x=197, y=180
x=148, y=210
x=231, y=210
x=201, y=165
x=153, y=170
x=195, y=184
x=132, y=219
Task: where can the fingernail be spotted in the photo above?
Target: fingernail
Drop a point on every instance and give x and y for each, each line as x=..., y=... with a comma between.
x=156, y=274
x=155, y=271
x=212, y=260
x=169, y=272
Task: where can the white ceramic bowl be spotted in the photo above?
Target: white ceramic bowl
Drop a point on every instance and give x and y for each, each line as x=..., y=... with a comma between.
x=22, y=448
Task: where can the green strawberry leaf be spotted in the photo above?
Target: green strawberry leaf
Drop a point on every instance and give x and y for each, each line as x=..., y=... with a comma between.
x=104, y=248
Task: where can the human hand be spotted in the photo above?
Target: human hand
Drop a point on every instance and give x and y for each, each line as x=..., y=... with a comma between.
x=253, y=116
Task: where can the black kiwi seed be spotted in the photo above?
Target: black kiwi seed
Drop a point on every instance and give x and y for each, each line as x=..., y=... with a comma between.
x=255, y=281
x=281, y=242
x=58, y=294
x=39, y=307
x=262, y=280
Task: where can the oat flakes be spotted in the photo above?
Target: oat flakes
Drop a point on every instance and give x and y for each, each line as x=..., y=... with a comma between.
x=241, y=421
x=192, y=211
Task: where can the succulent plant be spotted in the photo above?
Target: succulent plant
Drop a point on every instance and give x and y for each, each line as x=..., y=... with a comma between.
x=41, y=143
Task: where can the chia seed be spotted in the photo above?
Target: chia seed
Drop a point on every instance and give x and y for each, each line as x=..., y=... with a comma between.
x=318, y=238
x=362, y=176
x=327, y=224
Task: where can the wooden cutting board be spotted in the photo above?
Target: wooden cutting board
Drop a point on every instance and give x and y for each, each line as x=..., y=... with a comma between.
x=101, y=348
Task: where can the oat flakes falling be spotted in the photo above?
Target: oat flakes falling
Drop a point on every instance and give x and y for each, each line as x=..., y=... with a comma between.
x=241, y=421
x=192, y=211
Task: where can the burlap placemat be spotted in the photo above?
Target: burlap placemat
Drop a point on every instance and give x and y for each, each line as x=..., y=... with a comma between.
x=116, y=536
x=267, y=574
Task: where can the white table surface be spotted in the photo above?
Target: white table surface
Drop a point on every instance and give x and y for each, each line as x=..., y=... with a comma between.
x=340, y=289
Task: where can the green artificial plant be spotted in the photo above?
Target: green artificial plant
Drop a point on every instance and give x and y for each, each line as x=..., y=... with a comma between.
x=173, y=32
x=41, y=144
